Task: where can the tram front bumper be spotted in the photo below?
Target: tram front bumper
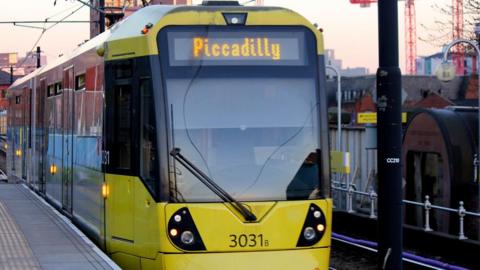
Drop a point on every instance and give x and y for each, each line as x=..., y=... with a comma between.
x=301, y=259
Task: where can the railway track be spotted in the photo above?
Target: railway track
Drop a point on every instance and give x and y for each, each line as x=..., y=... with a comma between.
x=346, y=255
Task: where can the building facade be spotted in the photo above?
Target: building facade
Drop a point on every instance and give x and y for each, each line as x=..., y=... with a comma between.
x=115, y=11
x=427, y=65
x=5, y=82
x=330, y=60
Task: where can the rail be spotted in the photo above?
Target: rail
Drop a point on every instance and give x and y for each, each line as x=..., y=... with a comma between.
x=427, y=206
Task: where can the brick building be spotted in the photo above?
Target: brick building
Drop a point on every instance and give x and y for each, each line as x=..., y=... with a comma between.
x=4, y=84
x=359, y=93
x=114, y=11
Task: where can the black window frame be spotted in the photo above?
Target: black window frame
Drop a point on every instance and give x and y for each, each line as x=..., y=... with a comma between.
x=51, y=90
x=312, y=65
x=119, y=160
x=140, y=72
x=58, y=88
x=156, y=184
x=79, y=87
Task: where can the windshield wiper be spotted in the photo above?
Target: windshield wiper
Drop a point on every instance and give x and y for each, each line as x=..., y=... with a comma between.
x=207, y=181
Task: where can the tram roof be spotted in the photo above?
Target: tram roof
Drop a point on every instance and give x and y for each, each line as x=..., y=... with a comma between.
x=131, y=27
x=91, y=44
x=133, y=24
x=127, y=28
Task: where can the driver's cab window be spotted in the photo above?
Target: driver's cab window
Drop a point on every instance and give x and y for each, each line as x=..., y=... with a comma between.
x=148, y=145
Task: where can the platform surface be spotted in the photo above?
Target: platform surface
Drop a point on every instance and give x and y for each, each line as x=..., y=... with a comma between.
x=34, y=236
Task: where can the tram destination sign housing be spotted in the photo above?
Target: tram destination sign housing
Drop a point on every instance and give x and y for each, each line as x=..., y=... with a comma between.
x=221, y=48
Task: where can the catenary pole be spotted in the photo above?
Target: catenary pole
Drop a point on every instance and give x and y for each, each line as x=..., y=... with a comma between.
x=101, y=21
x=11, y=75
x=389, y=134
x=38, y=57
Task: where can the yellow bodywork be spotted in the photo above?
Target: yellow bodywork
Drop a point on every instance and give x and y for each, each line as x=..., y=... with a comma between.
x=137, y=236
x=311, y=259
x=147, y=44
x=136, y=226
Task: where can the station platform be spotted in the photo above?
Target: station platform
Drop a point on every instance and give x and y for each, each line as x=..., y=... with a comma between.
x=33, y=235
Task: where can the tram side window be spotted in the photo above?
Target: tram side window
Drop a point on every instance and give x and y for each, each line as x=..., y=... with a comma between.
x=123, y=70
x=148, y=144
x=51, y=90
x=80, y=82
x=123, y=127
x=58, y=88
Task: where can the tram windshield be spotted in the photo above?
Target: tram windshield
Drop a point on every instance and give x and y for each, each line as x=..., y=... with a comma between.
x=250, y=126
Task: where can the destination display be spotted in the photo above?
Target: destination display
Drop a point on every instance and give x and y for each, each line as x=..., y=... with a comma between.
x=237, y=48
x=249, y=48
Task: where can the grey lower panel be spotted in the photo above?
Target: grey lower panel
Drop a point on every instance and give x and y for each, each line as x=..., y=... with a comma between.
x=54, y=181
x=88, y=203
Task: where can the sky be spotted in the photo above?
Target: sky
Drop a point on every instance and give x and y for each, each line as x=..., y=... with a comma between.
x=348, y=29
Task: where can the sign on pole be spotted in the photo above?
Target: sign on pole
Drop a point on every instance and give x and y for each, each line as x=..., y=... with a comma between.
x=371, y=118
x=340, y=162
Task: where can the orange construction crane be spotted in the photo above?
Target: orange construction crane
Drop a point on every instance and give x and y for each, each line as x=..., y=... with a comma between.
x=457, y=33
x=410, y=37
x=411, y=34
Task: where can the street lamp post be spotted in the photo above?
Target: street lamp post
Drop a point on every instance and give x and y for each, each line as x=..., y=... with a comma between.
x=476, y=161
x=339, y=105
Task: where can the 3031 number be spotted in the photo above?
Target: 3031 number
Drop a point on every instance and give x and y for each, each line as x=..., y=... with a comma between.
x=247, y=240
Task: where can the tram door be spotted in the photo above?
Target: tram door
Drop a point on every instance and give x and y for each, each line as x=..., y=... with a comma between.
x=40, y=142
x=67, y=121
x=119, y=123
x=25, y=131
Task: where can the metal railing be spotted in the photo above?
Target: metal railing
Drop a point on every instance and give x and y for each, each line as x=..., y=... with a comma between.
x=427, y=206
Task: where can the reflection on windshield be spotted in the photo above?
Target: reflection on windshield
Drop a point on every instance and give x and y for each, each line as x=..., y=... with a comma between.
x=254, y=137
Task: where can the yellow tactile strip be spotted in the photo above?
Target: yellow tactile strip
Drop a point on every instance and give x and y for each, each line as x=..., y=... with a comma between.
x=15, y=253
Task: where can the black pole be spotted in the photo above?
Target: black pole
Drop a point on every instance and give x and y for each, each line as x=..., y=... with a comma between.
x=477, y=34
x=11, y=75
x=101, y=6
x=389, y=134
x=38, y=57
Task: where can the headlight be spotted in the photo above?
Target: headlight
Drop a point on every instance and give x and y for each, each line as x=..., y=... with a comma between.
x=187, y=238
x=182, y=231
x=173, y=232
x=313, y=227
x=309, y=233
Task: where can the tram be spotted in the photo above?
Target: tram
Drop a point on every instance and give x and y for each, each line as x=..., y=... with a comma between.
x=185, y=137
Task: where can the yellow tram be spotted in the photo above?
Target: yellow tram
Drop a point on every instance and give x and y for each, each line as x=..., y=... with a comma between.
x=190, y=137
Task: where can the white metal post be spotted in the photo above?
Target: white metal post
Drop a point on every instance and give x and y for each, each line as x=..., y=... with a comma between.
x=339, y=119
x=461, y=214
x=445, y=59
x=427, y=207
x=339, y=105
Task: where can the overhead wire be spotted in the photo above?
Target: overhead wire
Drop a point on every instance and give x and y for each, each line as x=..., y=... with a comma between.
x=64, y=18
x=22, y=23
x=47, y=19
x=27, y=26
x=61, y=12
x=45, y=29
x=31, y=50
x=92, y=6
